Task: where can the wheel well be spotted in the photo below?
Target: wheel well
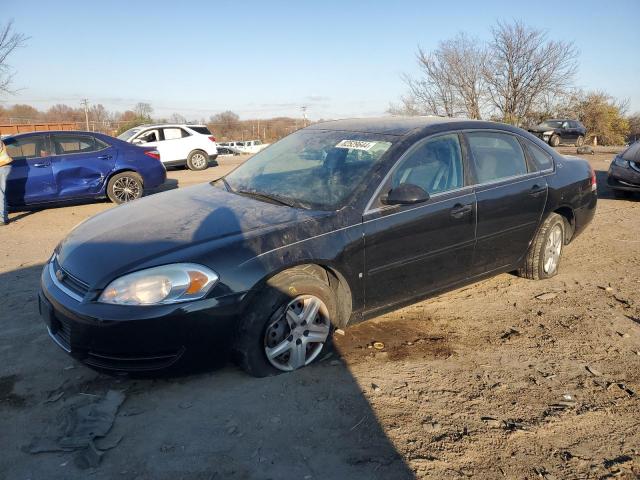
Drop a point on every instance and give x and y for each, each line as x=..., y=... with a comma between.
x=338, y=284
x=112, y=174
x=570, y=221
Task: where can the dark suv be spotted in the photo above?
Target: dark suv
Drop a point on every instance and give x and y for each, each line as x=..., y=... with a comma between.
x=560, y=130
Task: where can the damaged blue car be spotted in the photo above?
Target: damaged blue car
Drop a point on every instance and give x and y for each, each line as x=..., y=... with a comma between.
x=59, y=166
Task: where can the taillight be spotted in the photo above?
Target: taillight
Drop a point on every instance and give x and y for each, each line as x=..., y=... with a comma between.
x=212, y=138
x=153, y=154
x=594, y=184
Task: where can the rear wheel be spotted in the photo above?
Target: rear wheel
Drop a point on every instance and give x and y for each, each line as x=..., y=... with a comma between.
x=554, y=141
x=288, y=325
x=124, y=187
x=198, y=160
x=580, y=141
x=543, y=257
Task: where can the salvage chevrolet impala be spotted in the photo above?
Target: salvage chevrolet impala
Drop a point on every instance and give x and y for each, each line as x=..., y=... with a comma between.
x=335, y=223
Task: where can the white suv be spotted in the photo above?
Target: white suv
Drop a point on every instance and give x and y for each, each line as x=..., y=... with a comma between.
x=190, y=145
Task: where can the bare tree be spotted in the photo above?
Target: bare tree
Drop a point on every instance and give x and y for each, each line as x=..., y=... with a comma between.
x=9, y=41
x=143, y=111
x=452, y=83
x=177, y=118
x=523, y=66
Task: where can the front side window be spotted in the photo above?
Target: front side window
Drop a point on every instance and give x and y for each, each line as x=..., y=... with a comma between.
x=149, y=136
x=310, y=167
x=34, y=146
x=434, y=165
x=68, y=144
x=496, y=156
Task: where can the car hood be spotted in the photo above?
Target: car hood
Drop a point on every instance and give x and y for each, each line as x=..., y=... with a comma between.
x=539, y=129
x=146, y=231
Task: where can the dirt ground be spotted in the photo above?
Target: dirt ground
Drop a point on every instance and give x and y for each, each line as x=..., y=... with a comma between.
x=508, y=378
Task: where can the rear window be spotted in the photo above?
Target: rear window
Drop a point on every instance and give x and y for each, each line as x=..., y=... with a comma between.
x=202, y=130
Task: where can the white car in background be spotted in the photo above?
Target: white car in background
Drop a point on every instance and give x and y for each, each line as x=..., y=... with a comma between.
x=179, y=145
x=246, y=146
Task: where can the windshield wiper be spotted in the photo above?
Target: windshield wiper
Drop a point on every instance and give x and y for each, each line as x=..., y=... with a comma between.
x=269, y=197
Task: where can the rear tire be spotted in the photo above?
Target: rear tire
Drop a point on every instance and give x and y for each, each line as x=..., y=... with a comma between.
x=543, y=258
x=125, y=187
x=198, y=160
x=266, y=320
x=580, y=141
x=554, y=141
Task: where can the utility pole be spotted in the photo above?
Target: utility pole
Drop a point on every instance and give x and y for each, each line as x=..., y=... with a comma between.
x=85, y=102
x=304, y=115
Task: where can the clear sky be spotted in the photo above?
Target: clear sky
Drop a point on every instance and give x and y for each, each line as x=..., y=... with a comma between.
x=267, y=58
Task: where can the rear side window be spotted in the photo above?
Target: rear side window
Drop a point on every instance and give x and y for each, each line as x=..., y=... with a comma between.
x=496, y=156
x=434, y=165
x=69, y=144
x=202, y=130
x=34, y=146
x=173, y=133
x=541, y=159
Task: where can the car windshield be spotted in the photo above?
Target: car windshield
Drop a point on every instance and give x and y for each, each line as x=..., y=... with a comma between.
x=128, y=134
x=316, y=169
x=551, y=124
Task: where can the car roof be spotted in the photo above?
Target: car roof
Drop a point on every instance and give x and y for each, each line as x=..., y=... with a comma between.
x=401, y=126
x=65, y=132
x=151, y=125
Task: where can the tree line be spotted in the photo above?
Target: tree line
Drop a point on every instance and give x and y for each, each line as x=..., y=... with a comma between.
x=519, y=76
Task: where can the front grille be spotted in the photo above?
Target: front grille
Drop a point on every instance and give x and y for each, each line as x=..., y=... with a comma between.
x=133, y=363
x=64, y=278
x=63, y=331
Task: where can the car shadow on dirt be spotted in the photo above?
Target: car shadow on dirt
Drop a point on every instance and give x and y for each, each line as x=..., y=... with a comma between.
x=208, y=420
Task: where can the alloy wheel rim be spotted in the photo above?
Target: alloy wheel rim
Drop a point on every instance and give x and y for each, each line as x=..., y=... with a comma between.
x=126, y=189
x=198, y=160
x=552, y=250
x=296, y=337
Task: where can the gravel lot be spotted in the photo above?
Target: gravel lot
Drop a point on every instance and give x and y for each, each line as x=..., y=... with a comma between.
x=508, y=378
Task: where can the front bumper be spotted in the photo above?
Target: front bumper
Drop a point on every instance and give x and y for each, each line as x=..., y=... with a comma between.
x=621, y=178
x=130, y=338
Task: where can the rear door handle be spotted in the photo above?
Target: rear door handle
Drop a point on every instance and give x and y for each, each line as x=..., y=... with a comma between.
x=459, y=210
x=104, y=157
x=40, y=165
x=537, y=190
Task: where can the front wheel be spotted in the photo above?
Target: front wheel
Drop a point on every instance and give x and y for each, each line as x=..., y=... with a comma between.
x=124, y=187
x=554, y=141
x=288, y=325
x=198, y=160
x=543, y=258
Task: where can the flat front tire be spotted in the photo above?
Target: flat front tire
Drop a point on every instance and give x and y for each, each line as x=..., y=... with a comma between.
x=543, y=258
x=125, y=187
x=554, y=141
x=288, y=325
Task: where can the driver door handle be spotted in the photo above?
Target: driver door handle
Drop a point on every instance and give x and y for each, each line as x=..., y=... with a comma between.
x=537, y=190
x=104, y=157
x=459, y=210
x=40, y=165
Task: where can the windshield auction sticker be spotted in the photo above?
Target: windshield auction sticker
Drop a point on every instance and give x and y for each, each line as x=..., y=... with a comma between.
x=356, y=145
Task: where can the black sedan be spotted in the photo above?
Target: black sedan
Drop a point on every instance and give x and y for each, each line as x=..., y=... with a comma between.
x=557, y=131
x=624, y=172
x=337, y=222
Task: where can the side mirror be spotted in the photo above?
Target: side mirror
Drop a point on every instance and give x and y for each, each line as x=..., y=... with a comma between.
x=405, y=194
x=137, y=141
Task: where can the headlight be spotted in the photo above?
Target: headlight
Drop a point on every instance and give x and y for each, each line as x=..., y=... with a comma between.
x=548, y=133
x=178, y=282
x=621, y=162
